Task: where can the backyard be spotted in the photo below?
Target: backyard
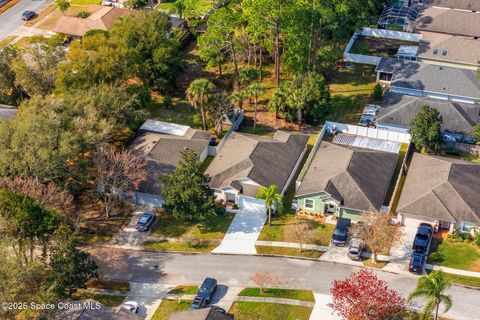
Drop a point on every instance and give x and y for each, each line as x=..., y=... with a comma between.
x=380, y=47
x=465, y=256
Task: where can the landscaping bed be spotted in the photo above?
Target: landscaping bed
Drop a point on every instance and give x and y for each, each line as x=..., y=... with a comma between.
x=465, y=256
x=283, y=251
x=304, y=295
x=167, y=307
x=268, y=311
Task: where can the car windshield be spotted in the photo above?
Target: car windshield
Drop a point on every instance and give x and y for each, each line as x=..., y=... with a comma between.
x=353, y=252
x=143, y=219
x=422, y=237
x=339, y=232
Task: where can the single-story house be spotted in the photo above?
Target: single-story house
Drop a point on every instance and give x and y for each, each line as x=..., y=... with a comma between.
x=246, y=162
x=429, y=80
x=199, y=314
x=441, y=190
x=100, y=18
x=345, y=180
x=398, y=110
x=89, y=309
x=7, y=112
x=452, y=21
x=161, y=144
x=469, y=5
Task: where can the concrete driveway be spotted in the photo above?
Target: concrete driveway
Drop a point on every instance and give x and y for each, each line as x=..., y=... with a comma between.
x=148, y=295
x=242, y=233
x=10, y=19
x=129, y=237
x=321, y=310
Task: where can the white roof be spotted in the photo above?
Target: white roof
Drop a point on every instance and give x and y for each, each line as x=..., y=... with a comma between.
x=405, y=50
x=164, y=127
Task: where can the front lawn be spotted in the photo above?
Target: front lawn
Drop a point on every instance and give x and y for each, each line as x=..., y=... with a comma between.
x=304, y=295
x=268, y=311
x=89, y=238
x=465, y=256
x=113, y=285
x=463, y=280
x=194, y=246
x=167, y=307
x=184, y=290
x=105, y=299
x=214, y=227
x=282, y=229
x=283, y=251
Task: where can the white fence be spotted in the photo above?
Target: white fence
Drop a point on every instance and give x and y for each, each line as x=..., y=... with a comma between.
x=369, y=132
x=361, y=58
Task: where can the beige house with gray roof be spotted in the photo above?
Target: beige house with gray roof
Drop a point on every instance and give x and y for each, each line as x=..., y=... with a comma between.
x=441, y=190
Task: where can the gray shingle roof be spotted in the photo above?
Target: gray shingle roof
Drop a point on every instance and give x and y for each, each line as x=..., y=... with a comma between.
x=441, y=188
x=459, y=49
x=431, y=78
x=473, y=5
x=450, y=21
x=356, y=177
x=401, y=109
x=83, y=312
x=163, y=153
x=264, y=160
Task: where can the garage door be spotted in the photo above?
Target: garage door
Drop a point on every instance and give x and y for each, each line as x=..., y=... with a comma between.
x=148, y=200
x=251, y=204
x=412, y=222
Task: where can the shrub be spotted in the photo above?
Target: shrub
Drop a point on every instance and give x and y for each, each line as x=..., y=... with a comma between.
x=456, y=237
x=167, y=102
x=83, y=14
x=476, y=237
x=377, y=92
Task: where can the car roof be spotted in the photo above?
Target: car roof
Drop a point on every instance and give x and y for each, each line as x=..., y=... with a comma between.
x=208, y=281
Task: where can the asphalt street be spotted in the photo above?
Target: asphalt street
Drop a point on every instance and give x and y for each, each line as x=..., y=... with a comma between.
x=235, y=270
x=10, y=20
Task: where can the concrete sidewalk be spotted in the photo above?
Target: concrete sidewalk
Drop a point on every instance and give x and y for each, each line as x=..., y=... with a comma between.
x=321, y=310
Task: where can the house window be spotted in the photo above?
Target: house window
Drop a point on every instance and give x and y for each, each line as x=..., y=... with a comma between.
x=467, y=227
x=309, y=204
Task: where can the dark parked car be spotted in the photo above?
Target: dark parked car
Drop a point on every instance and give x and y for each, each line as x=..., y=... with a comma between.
x=423, y=238
x=28, y=15
x=204, y=294
x=417, y=261
x=145, y=221
x=340, y=234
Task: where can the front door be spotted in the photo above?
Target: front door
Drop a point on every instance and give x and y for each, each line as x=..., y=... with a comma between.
x=445, y=225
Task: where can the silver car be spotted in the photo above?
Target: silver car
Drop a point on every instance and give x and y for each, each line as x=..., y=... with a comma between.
x=355, y=249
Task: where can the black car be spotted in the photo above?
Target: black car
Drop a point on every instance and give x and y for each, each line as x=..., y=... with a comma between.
x=204, y=294
x=145, y=221
x=417, y=261
x=340, y=234
x=423, y=238
x=28, y=15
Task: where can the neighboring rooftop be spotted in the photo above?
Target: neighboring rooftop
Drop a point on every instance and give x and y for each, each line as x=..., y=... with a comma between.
x=100, y=18
x=356, y=177
x=161, y=143
x=263, y=160
x=199, y=314
x=442, y=189
x=431, y=78
x=457, y=117
x=459, y=49
x=87, y=310
x=7, y=112
x=456, y=22
x=471, y=5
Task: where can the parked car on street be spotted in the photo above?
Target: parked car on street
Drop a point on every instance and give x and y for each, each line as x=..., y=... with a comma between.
x=340, y=234
x=423, y=238
x=131, y=306
x=204, y=294
x=417, y=262
x=145, y=221
x=355, y=249
x=28, y=15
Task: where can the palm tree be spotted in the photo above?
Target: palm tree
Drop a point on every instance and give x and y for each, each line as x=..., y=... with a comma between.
x=254, y=90
x=198, y=93
x=63, y=5
x=432, y=288
x=271, y=197
x=238, y=97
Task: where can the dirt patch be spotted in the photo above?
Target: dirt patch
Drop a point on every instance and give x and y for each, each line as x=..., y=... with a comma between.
x=266, y=119
x=475, y=266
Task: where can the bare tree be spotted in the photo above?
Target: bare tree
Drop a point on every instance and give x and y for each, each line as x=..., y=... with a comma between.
x=377, y=231
x=301, y=233
x=118, y=172
x=266, y=279
x=218, y=107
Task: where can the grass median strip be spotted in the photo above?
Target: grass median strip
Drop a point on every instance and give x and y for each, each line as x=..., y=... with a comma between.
x=304, y=295
x=294, y=252
x=243, y=310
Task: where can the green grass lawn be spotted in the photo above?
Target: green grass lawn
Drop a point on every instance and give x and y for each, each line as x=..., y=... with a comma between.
x=282, y=251
x=201, y=7
x=195, y=246
x=85, y=2
x=89, y=238
x=206, y=163
x=463, y=280
x=114, y=285
x=167, y=307
x=304, y=295
x=105, y=299
x=211, y=228
x=268, y=311
x=396, y=172
x=282, y=230
x=184, y=290
x=248, y=128
x=465, y=256
x=180, y=112
x=369, y=263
